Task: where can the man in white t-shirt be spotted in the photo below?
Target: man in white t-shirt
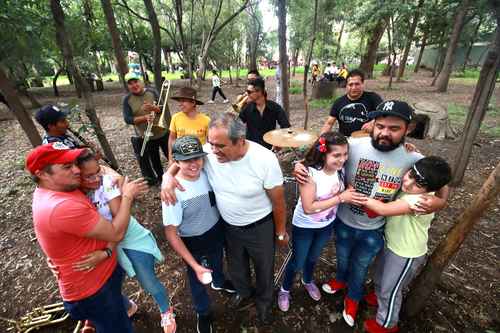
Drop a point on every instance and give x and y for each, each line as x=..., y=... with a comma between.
x=248, y=185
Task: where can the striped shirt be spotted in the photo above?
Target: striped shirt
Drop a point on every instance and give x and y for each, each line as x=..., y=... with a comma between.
x=195, y=211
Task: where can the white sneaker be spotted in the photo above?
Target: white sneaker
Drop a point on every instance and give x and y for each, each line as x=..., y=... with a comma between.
x=226, y=101
x=210, y=102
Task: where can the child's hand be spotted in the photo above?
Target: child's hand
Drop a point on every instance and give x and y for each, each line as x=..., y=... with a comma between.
x=199, y=271
x=134, y=188
x=352, y=197
x=89, y=261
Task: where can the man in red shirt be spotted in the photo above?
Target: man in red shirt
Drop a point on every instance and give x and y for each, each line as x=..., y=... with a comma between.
x=67, y=227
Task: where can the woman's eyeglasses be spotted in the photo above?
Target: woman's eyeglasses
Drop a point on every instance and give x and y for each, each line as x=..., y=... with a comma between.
x=94, y=177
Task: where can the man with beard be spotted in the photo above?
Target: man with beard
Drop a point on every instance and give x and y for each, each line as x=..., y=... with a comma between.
x=351, y=110
x=375, y=167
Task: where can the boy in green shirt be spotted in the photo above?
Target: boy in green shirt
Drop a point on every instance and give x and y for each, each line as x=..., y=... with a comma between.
x=406, y=236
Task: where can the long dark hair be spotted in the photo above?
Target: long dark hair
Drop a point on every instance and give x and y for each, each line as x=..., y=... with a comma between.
x=315, y=156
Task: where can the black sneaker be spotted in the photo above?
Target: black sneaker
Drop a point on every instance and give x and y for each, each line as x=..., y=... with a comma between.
x=204, y=323
x=227, y=286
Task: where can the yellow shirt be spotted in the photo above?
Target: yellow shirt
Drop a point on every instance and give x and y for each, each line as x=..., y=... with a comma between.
x=407, y=235
x=183, y=125
x=343, y=73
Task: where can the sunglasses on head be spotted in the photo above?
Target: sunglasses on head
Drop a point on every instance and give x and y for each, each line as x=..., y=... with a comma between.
x=419, y=179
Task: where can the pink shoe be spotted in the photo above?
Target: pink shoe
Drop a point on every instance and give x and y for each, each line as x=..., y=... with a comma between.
x=312, y=290
x=283, y=300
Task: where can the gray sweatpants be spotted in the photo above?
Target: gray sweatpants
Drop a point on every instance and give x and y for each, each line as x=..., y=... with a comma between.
x=392, y=275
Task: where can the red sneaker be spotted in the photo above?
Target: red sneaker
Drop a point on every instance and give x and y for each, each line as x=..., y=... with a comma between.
x=371, y=326
x=350, y=311
x=333, y=286
x=371, y=299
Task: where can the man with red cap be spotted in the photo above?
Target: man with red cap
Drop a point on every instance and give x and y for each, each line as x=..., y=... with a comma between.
x=68, y=226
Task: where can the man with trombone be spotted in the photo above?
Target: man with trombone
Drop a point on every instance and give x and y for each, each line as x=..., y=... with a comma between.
x=140, y=108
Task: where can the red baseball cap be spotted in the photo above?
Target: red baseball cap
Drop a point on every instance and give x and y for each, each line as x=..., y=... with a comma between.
x=51, y=153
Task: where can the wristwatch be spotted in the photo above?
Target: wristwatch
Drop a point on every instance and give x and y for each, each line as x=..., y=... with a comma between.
x=281, y=237
x=108, y=251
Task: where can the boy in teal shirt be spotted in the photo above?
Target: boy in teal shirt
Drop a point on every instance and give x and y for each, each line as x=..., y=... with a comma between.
x=406, y=236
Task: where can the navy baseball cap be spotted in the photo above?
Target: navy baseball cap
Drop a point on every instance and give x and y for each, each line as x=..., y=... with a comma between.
x=394, y=108
x=50, y=114
x=186, y=148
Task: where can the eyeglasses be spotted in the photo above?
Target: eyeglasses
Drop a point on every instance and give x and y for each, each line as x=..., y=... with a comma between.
x=94, y=177
x=249, y=92
x=419, y=179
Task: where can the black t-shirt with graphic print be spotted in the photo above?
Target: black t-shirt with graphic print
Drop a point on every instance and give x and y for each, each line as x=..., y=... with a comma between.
x=352, y=115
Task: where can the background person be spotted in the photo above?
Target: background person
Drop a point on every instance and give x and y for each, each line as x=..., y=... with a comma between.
x=138, y=106
x=216, y=88
x=351, y=110
x=189, y=121
x=260, y=114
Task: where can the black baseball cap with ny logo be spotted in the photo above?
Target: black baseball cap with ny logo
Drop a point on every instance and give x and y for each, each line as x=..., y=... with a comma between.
x=394, y=108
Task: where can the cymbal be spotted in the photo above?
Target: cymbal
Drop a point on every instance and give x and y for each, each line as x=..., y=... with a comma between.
x=359, y=134
x=290, y=137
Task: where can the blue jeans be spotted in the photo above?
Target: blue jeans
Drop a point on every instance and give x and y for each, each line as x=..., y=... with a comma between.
x=106, y=308
x=307, y=244
x=144, y=267
x=356, y=249
x=199, y=295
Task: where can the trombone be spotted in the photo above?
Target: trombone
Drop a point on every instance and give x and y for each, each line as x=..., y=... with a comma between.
x=148, y=133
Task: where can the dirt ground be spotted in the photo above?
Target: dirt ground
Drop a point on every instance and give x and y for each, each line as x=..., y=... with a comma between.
x=466, y=300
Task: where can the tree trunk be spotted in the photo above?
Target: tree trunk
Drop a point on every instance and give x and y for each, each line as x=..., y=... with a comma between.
x=444, y=76
x=477, y=110
x=212, y=35
x=339, y=40
x=430, y=276
x=34, y=102
x=409, y=40
x=295, y=60
x=421, y=52
x=64, y=42
x=116, y=41
x=392, y=63
x=438, y=64
x=471, y=43
x=54, y=81
x=370, y=56
x=155, y=28
x=17, y=107
x=283, y=58
x=308, y=61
